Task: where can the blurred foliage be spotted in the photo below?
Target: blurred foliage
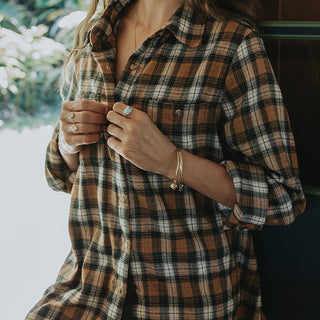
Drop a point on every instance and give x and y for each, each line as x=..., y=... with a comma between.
x=35, y=36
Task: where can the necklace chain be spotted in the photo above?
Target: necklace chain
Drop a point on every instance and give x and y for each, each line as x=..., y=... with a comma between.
x=135, y=31
x=135, y=35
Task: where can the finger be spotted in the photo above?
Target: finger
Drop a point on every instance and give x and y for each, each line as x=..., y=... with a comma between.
x=114, y=144
x=87, y=105
x=83, y=116
x=117, y=119
x=75, y=140
x=123, y=109
x=116, y=131
x=81, y=128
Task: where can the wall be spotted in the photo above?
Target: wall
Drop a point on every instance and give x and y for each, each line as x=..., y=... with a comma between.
x=289, y=257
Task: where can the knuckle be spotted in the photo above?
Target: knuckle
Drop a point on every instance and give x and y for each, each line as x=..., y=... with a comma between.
x=132, y=128
x=61, y=117
x=66, y=106
x=82, y=105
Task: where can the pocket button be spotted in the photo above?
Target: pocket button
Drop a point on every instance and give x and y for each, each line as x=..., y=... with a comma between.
x=178, y=113
x=134, y=66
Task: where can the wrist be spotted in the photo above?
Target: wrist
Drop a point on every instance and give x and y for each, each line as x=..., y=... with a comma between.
x=169, y=170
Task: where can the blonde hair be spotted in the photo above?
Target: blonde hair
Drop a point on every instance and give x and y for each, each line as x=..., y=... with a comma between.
x=80, y=38
x=248, y=10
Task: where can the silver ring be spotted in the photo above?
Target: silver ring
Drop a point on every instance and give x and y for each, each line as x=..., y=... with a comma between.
x=74, y=128
x=71, y=115
x=127, y=110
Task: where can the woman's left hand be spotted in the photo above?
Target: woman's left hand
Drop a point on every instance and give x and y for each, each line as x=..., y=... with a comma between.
x=140, y=141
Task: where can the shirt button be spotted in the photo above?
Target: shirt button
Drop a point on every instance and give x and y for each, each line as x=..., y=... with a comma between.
x=178, y=113
x=126, y=244
x=134, y=66
x=120, y=289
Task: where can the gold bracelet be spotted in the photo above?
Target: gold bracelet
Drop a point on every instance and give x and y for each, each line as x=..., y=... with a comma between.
x=177, y=184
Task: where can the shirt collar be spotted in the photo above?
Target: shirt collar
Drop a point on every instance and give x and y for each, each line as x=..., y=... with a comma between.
x=186, y=25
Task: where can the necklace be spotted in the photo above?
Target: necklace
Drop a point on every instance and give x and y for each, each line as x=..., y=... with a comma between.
x=135, y=35
x=135, y=30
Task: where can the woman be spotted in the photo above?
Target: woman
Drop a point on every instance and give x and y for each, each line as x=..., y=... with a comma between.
x=175, y=146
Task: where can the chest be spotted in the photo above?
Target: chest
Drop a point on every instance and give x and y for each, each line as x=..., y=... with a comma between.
x=179, y=87
x=128, y=39
x=125, y=47
x=162, y=69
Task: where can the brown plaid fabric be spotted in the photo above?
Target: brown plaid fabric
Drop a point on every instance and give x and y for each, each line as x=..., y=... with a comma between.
x=208, y=85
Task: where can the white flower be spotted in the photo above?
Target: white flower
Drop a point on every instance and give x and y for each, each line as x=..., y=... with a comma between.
x=72, y=20
x=13, y=88
x=4, y=79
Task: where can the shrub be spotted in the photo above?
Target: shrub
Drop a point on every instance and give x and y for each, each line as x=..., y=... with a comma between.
x=30, y=67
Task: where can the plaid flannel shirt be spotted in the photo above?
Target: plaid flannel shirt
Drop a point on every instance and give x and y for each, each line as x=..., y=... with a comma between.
x=208, y=85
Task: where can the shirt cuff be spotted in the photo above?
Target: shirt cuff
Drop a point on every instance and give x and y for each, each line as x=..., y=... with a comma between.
x=58, y=175
x=251, y=206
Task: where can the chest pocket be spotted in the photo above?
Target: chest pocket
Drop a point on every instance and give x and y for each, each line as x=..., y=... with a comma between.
x=190, y=126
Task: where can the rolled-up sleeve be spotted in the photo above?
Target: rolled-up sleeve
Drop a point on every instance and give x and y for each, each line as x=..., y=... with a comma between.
x=258, y=143
x=58, y=175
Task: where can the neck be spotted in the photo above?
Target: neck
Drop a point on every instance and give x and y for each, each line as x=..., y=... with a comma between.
x=155, y=12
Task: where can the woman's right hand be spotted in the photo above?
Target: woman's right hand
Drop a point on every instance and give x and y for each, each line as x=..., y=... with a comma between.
x=86, y=118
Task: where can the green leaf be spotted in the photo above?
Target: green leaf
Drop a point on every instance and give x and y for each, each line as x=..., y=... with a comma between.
x=9, y=25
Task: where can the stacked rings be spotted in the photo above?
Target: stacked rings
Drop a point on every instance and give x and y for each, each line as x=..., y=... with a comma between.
x=74, y=128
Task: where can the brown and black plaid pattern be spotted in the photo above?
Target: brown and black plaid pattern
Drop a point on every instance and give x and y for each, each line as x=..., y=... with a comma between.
x=209, y=86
